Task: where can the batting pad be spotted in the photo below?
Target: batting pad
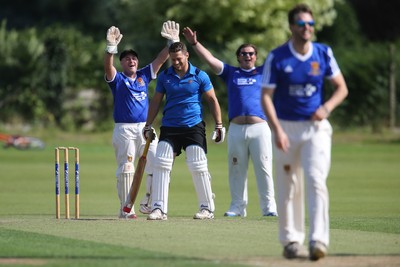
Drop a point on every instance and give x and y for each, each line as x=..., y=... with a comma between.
x=196, y=161
x=161, y=176
x=151, y=156
x=123, y=186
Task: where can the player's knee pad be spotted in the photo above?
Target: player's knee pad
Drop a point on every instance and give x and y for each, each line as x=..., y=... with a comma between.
x=196, y=159
x=128, y=166
x=164, y=156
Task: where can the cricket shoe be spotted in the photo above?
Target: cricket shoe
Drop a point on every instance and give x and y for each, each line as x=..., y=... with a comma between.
x=145, y=209
x=124, y=215
x=271, y=214
x=204, y=214
x=294, y=250
x=317, y=250
x=157, y=214
x=235, y=214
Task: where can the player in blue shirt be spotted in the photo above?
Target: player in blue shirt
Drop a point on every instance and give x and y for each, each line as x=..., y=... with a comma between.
x=295, y=105
x=131, y=102
x=249, y=134
x=182, y=127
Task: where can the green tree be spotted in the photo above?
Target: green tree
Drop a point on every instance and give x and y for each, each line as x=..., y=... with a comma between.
x=20, y=54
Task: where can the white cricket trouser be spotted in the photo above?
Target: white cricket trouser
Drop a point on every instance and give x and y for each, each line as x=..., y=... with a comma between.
x=127, y=140
x=309, y=154
x=244, y=141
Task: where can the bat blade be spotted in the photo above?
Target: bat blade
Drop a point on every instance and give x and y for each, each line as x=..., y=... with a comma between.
x=137, y=176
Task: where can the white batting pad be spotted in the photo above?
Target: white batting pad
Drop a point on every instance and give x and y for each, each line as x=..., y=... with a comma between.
x=124, y=182
x=150, y=156
x=196, y=161
x=161, y=176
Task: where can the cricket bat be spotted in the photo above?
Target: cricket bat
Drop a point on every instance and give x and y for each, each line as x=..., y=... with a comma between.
x=137, y=176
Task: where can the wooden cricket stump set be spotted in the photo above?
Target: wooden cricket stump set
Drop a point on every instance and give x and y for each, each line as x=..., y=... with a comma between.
x=65, y=151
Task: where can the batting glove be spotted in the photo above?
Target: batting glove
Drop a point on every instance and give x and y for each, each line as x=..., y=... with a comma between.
x=219, y=134
x=148, y=131
x=170, y=31
x=113, y=39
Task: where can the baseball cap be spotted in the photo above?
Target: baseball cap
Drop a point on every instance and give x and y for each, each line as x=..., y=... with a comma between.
x=128, y=52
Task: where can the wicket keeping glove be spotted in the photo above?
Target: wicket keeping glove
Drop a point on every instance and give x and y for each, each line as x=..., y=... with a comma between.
x=148, y=131
x=219, y=134
x=170, y=31
x=113, y=39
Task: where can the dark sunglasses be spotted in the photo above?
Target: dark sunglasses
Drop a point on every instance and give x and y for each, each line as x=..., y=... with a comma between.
x=302, y=23
x=243, y=54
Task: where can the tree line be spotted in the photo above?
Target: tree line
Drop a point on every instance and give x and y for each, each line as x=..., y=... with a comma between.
x=51, y=52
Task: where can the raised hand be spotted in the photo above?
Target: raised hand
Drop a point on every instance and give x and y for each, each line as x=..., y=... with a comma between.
x=113, y=38
x=170, y=31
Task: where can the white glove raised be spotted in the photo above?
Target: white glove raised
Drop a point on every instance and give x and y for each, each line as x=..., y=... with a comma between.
x=219, y=134
x=113, y=39
x=170, y=31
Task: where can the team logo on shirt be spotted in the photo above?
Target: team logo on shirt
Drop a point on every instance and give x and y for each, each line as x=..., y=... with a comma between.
x=288, y=69
x=246, y=81
x=140, y=96
x=298, y=90
x=140, y=81
x=315, y=70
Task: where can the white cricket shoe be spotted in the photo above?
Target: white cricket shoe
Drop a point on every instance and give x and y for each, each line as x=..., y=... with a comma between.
x=157, y=214
x=204, y=214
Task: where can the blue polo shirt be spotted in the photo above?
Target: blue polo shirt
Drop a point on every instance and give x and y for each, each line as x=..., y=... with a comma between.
x=131, y=102
x=183, y=96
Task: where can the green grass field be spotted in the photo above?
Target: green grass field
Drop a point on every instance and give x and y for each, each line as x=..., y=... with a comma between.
x=364, y=188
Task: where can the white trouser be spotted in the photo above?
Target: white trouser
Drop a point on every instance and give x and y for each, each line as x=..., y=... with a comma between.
x=128, y=140
x=309, y=154
x=244, y=141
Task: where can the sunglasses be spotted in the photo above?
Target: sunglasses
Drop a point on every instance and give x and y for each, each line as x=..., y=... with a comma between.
x=302, y=23
x=243, y=54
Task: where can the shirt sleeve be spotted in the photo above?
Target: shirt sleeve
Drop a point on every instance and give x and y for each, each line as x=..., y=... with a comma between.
x=205, y=82
x=333, y=69
x=268, y=79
